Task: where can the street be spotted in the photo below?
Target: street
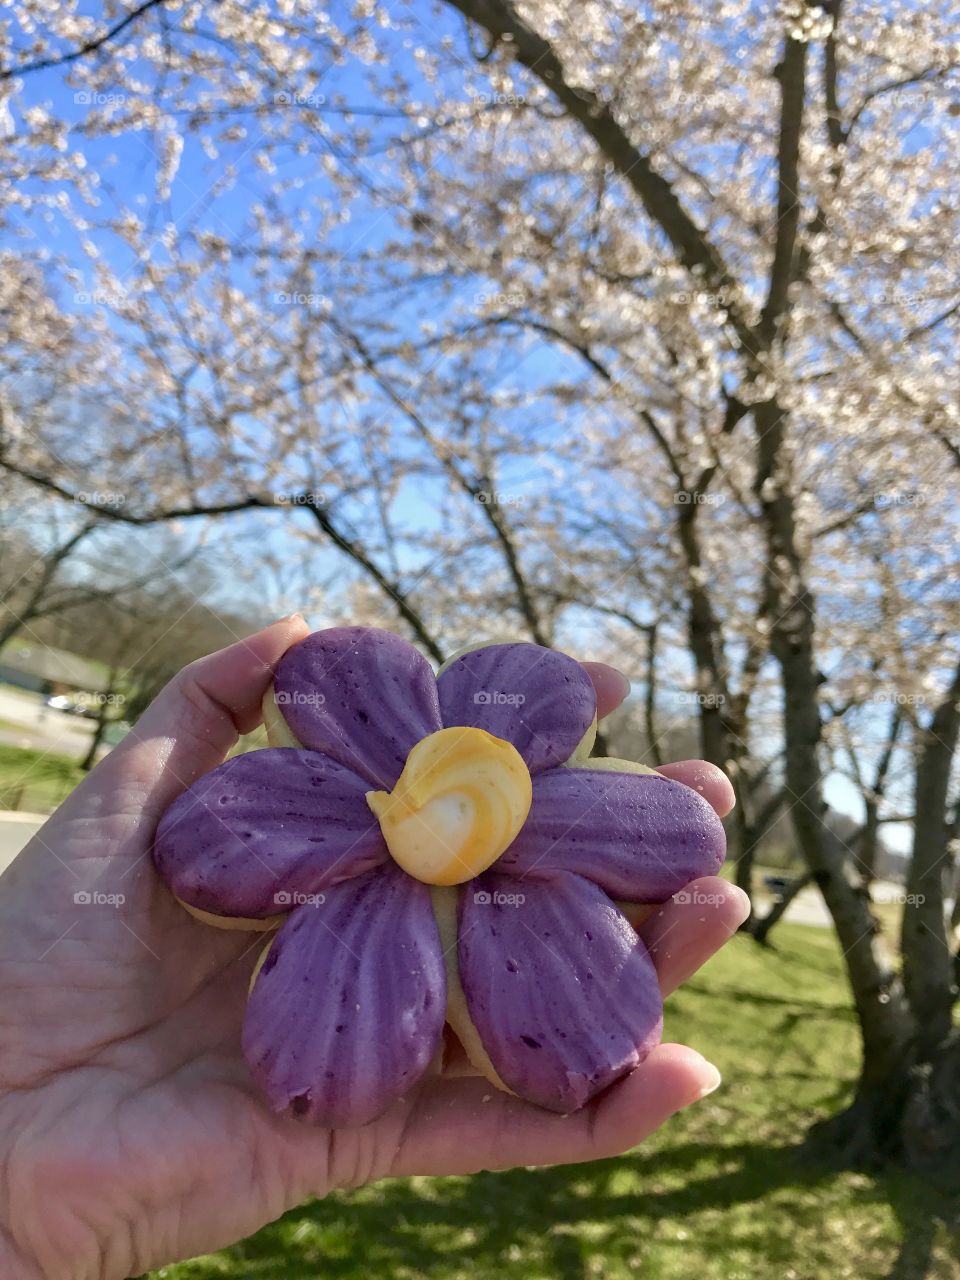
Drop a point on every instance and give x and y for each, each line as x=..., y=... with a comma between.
x=26, y=722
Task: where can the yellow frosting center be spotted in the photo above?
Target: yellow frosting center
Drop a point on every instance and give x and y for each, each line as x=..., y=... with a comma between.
x=460, y=801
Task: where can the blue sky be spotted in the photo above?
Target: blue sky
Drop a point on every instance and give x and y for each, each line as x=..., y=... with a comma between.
x=129, y=164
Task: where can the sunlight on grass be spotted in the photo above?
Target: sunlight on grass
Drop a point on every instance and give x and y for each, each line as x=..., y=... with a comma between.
x=720, y=1194
x=36, y=781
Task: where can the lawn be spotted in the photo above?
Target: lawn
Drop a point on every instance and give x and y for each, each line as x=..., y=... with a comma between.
x=35, y=781
x=720, y=1194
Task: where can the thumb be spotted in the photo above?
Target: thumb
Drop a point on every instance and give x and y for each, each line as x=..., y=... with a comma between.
x=110, y=818
x=192, y=724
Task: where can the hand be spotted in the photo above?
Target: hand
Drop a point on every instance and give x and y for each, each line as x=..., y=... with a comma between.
x=131, y=1133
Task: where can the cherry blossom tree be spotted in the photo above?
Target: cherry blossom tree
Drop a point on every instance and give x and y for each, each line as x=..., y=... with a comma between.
x=618, y=323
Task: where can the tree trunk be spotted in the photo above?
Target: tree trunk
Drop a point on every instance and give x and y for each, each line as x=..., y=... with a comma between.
x=704, y=634
x=722, y=724
x=51, y=564
x=743, y=873
x=103, y=719
x=650, y=699
x=90, y=759
x=931, y=1123
x=751, y=826
x=868, y=847
x=926, y=951
x=883, y=1015
x=761, y=932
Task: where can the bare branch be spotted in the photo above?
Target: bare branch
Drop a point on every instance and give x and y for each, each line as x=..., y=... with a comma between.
x=473, y=489
x=691, y=244
x=89, y=46
x=791, y=74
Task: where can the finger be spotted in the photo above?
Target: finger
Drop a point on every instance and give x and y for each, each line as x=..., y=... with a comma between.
x=462, y=1126
x=611, y=686
x=712, y=783
x=692, y=926
x=192, y=724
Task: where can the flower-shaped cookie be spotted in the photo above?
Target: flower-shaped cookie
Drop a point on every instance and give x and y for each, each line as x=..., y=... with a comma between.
x=436, y=849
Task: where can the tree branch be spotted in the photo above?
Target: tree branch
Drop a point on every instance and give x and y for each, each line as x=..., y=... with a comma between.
x=692, y=246
x=390, y=589
x=484, y=497
x=249, y=503
x=791, y=74
x=89, y=46
x=120, y=515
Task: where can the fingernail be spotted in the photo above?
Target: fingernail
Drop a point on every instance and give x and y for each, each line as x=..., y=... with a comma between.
x=712, y=1083
x=624, y=680
x=291, y=617
x=743, y=902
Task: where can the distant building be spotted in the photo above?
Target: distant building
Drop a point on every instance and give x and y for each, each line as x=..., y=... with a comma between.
x=45, y=670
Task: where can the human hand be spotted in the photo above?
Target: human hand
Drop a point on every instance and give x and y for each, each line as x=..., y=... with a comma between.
x=132, y=1134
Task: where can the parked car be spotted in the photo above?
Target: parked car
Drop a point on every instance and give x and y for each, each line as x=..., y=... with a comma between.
x=777, y=885
x=72, y=706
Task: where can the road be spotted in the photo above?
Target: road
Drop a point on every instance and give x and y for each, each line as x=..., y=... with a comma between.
x=15, y=830
x=808, y=906
x=26, y=722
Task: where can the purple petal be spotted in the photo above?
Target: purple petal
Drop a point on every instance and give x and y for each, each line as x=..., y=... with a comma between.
x=363, y=696
x=540, y=700
x=348, y=1008
x=263, y=825
x=640, y=837
x=561, y=990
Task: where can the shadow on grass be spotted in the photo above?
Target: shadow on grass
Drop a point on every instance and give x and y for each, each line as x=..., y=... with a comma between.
x=758, y=998
x=557, y=1218
x=559, y=1223
x=923, y=1212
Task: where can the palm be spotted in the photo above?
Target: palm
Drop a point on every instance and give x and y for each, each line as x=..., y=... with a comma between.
x=120, y=1067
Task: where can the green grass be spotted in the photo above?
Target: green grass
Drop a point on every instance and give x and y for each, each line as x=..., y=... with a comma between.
x=721, y=1193
x=35, y=781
